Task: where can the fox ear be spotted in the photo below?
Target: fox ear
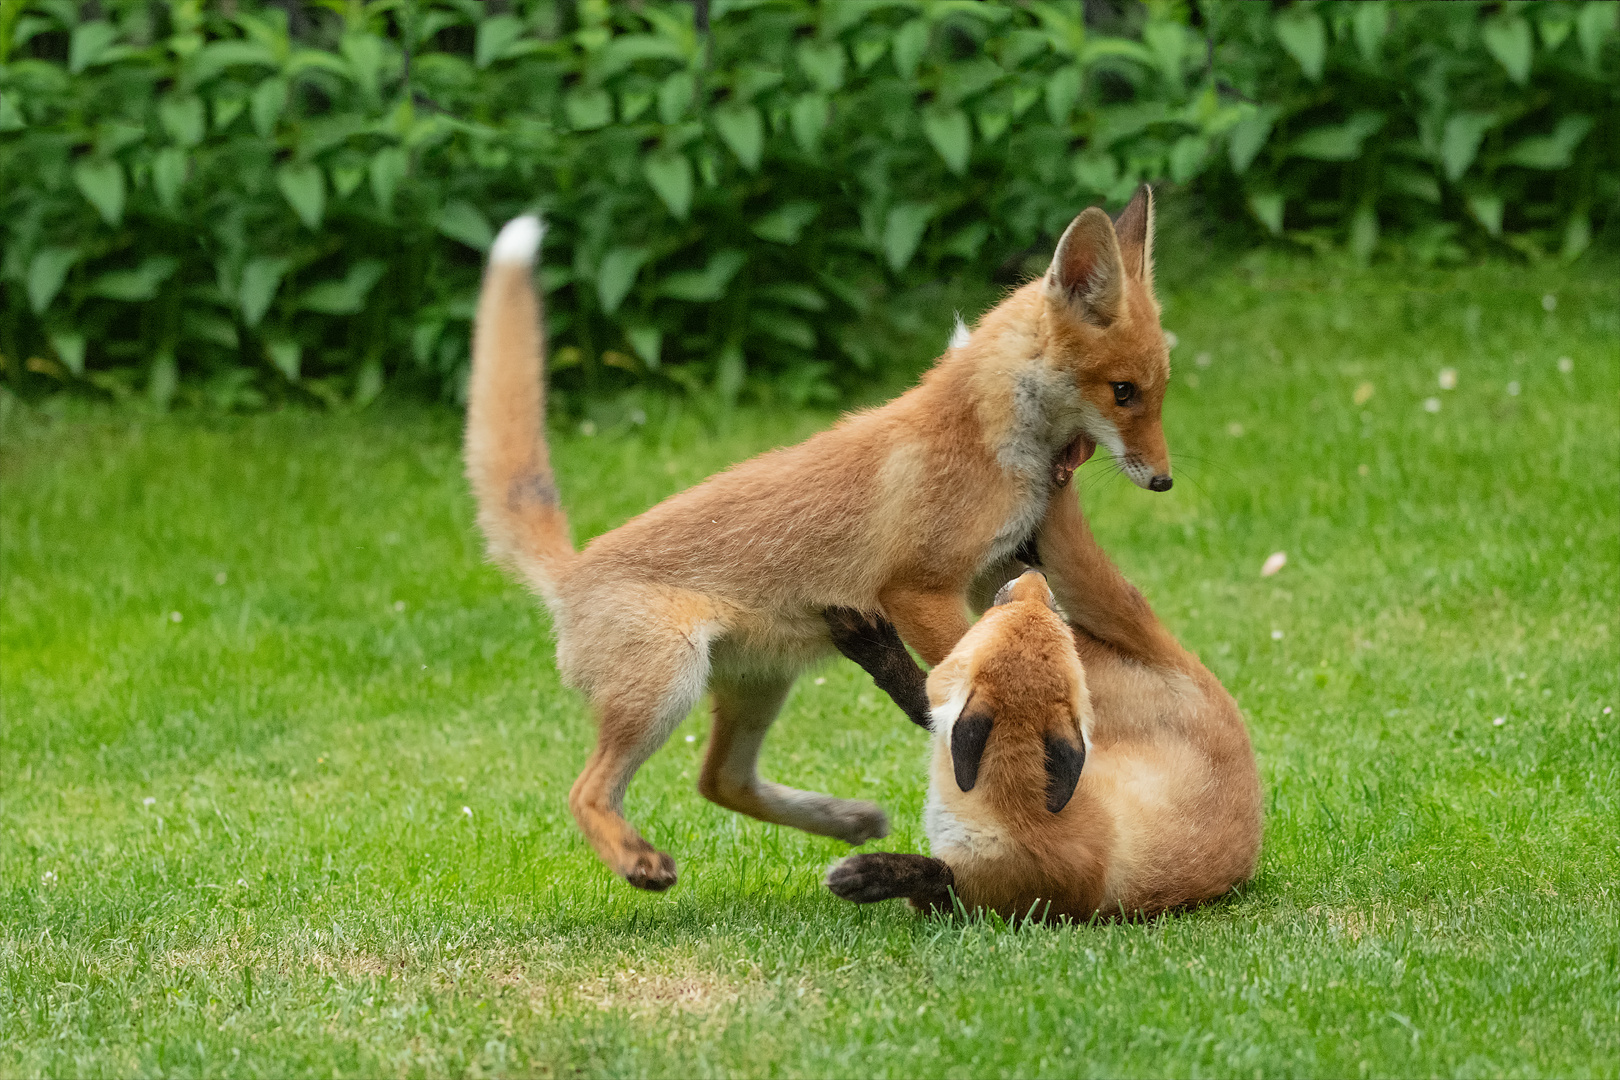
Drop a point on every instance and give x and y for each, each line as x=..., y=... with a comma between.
x=1134, y=227
x=968, y=736
x=1064, y=760
x=1086, y=271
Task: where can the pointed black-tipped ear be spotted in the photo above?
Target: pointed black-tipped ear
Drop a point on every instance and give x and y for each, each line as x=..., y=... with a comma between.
x=1064, y=760
x=1086, y=270
x=1134, y=228
x=968, y=736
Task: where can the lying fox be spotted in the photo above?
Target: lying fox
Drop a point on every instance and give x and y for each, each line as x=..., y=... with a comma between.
x=896, y=509
x=1097, y=769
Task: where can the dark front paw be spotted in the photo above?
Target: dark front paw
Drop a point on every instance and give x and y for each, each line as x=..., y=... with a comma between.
x=873, y=643
x=860, y=635
x=862, y=879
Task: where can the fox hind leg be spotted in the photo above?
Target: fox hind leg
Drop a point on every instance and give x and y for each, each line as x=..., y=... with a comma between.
x=743, y=712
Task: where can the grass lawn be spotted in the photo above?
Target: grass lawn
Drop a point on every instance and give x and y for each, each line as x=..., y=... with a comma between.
x=284, y=763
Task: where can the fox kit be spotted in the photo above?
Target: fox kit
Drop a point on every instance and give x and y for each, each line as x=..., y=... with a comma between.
x=1098, y=769
x=895, y=510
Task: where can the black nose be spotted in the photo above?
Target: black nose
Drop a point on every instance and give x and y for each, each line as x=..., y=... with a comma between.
x=1160, y=483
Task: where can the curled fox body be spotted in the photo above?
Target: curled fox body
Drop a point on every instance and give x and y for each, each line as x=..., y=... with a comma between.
x=1097, y=769
x=897, y=509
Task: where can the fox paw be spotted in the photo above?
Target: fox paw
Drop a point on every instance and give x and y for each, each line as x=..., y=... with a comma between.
x=651, y=870
x=861, y=879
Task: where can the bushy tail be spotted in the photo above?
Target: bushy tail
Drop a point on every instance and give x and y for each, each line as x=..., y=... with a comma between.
x=507, y=459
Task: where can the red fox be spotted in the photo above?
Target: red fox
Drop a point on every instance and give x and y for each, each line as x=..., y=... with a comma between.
x=1092, y=769
x=896, y=509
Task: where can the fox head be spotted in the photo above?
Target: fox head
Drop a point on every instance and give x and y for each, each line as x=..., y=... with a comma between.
x=1015, y=709
x=1102, y=329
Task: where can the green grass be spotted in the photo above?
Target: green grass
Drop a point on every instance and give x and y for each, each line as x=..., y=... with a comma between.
x=233, y=841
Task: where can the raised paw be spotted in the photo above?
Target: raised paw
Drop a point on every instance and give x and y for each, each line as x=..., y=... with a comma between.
x=859, y=632
x=859, y=821
x=873, y=643
x=862, y=879
x=651, y=870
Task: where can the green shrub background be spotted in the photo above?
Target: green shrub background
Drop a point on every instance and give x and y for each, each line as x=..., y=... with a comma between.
x=248, y=201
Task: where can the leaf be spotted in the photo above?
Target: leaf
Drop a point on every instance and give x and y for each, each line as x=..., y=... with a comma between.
x=69, y=348
x=784, y=224
x=968, y=240
x=1338, y=142
x=90, y=43
x=1594, y=22
x=783, y=327
x=617, y=274
x=743, y=131
x=808, y=118
x=903, y=230
x=708, y=284
x=11, y=117
x=304, y=187
x=910, y=42
x=1187, y=157
x=1248, y=137
x=951, y=135
x=823, y=63
x=138, y=284
x=1551, y=151
x=184, y=119
x=388, y=167
x=675, y=97
x=1487, y=210
x=495, y=36
x=1554, y=24
x=261, y=278
x=47, y=270
x=216, y=56
x=1577, y=236
x=169, y=175
x=794, y=295
x=346, y=295
x=1363, y=234
x=102, y=183
x=670, y=174
x=1304, y=37
x=1062, y=91
x=369, y=383
x=587, y=109
x=647, y=343
x=1096, y=170
x=1507, y=38
x=464, y=222
x=1267, y=207
x=1168, y=42
x=268, y=100
x=1413, y=182
x=163, y=380
x=1459, y=143
x=992, y=122
x=203, y=325
x=729, y=373
x=1370, y=23
x=285, y=356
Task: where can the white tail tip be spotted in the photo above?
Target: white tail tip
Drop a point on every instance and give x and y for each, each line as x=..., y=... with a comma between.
x=518, y=241
x=960, y=334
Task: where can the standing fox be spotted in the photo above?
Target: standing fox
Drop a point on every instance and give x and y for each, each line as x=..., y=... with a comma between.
x=895, y=510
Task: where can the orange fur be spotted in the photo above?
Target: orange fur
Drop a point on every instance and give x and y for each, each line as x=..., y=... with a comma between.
x=896, y=509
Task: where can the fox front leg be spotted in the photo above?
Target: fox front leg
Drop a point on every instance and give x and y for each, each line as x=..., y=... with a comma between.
x=893, y=875
x=873, y=643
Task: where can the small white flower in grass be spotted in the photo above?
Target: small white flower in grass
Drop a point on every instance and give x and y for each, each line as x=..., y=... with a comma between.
x=1513, y=389
x=399, y=605
x=1204, y=359
x=1566, y=365
x=1274, y=562
x=175, y=616
x=1431, y=404
x=149, y=801
x=1276, y=635
x=1170, y=339
x=467, y=810
x=1234, y=429
x=587, y=428
x=1549, y=302
x=220, y=578
x=1363, y=393
x=1499, y=721
x=242, y=882
x=1448, y=378
x=691, y=738
x=1607, y=709
x=821, y=680
x=48, y=879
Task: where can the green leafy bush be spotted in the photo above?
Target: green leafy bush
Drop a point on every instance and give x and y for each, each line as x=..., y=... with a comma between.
x=225, y=198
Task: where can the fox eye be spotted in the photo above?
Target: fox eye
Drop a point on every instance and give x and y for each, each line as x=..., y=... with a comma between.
x=1124, y=392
